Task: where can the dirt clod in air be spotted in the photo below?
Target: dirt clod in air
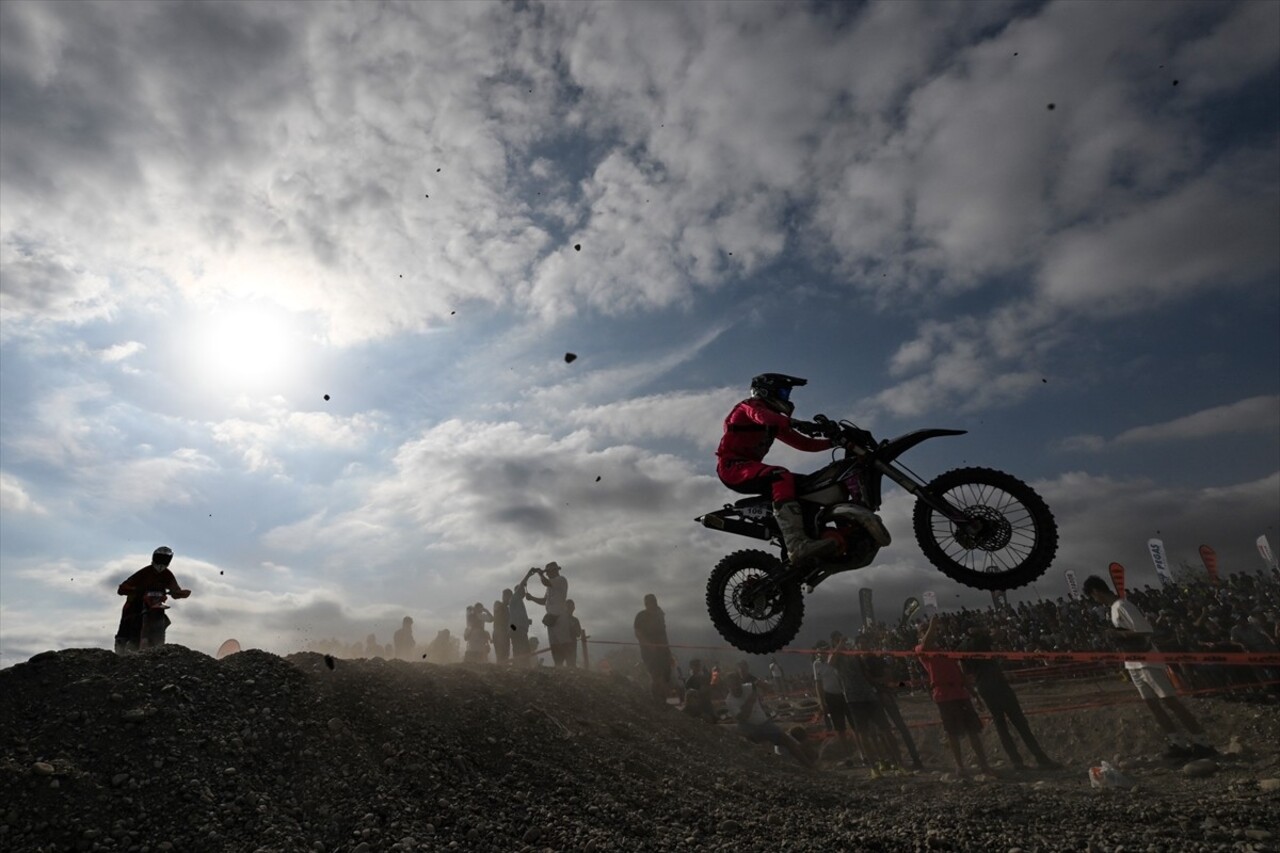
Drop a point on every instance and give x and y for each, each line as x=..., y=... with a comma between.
x=1051, y=106
x=577, y=247
x=570, y=358
x=326, y=396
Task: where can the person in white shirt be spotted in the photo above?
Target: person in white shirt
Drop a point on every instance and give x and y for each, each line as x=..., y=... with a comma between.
x=559, y=636
x=775, y=674
x=743, y=704
x=1132, y=632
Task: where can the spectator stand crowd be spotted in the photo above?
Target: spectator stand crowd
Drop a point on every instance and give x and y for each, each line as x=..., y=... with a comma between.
x=855, y=695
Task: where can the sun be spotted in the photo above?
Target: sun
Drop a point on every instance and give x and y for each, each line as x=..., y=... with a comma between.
x=245, y=347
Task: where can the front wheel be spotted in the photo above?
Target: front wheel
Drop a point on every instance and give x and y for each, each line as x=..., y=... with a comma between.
x=1008, y=538
x=755, y=616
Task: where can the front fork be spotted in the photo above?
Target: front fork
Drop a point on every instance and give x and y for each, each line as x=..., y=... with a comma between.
x=937, y=503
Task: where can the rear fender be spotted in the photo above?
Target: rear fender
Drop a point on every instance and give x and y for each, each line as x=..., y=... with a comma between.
x=748, y=518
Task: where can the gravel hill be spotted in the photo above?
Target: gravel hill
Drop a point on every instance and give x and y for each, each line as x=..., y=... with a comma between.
x=173, y=750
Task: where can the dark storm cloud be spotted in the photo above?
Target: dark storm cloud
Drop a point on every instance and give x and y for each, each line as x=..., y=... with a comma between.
x=532, y=520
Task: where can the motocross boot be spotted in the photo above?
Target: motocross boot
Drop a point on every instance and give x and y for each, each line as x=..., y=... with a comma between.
x=800, y=548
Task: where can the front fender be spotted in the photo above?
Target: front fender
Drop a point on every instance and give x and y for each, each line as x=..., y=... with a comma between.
x=895, y=447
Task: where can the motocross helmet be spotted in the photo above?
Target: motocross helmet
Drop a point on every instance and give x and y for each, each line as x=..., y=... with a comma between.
x=775, y=390
x=161, y=558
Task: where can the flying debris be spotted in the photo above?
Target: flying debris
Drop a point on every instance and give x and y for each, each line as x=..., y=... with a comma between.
x=597, y=478
x=570, y=357
x=326, y=396
x=1051, y=106
x=577, y=247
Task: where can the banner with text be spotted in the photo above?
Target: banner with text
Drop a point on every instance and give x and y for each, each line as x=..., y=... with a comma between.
x=930, y=599
x=1156, y=547
x=864, y=602
x=1073, y=588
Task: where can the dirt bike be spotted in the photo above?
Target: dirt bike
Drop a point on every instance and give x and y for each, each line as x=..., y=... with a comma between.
x=155, y=620
x=981, y=527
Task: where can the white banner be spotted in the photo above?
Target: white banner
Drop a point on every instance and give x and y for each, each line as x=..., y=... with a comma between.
x=1264, y=548
x=930, y=599
x=1156, y=547
x=1073, y=589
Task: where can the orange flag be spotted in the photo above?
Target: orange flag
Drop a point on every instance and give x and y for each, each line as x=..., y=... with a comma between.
x=1117, y=577
x=1210, y=559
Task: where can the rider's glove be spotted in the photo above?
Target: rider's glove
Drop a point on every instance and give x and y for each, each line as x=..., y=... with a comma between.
x=808, y=427
x=862, y=437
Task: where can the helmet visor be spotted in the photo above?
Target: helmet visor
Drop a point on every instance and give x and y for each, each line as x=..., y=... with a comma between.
x=783, y=392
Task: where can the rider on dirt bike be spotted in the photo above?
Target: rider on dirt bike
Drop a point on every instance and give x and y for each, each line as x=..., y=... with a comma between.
x=146, y=581
x=749, y=431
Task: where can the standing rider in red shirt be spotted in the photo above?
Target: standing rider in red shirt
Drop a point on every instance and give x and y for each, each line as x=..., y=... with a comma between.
x=749, y=431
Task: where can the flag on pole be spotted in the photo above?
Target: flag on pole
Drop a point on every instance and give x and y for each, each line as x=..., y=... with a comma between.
x=864, y=603
x=1117, y=577
x=1156, y=547
x=909, y=607
x=1264, y=548
x=1210, y=559
x=1073, y=588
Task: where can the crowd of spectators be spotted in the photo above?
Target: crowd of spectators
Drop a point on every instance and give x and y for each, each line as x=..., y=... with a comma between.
x=1240, y=613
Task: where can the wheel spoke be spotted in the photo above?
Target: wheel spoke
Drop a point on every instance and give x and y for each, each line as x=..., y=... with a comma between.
x=1013, y=521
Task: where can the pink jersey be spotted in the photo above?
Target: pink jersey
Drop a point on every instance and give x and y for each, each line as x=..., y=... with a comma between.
x=751, y=427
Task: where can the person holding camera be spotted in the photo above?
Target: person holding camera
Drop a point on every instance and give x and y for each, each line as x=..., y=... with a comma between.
x=559, y=637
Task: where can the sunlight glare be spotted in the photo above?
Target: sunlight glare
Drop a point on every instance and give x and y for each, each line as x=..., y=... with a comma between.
x=246, y=348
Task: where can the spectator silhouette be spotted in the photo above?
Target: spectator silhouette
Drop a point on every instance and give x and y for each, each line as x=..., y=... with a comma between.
x=519, y=621
x=403, y=640
x=557, y=593
x=959, y=719
x=870, y=726
x=1132, y=631
x=502, y=628
x=881, y=679
x=655, y=651
x=575, y=633
x=442, y=648
x=697, y=693
x=743, y=703
x=995, y=691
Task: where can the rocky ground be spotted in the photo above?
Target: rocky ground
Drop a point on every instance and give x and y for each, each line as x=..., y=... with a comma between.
x=173, y=750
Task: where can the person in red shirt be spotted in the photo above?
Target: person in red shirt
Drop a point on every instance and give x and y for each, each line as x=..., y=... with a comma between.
x=155, y=578
x=749, y=431
x=959, y=719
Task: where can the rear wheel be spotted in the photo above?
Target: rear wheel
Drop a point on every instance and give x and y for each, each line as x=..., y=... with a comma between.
x=755, y=616
x=1009, y=537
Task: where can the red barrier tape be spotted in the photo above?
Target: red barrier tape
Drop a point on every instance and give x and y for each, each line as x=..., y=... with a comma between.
x=1223, y=658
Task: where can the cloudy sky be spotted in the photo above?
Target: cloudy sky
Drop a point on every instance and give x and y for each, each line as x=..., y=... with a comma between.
x=288, y=287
